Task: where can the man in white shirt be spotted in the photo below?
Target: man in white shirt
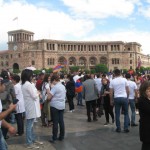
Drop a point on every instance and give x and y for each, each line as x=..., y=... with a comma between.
x=3, y=144
x=131, y=98
x=119, y=87
x=98, y=81
x=20, y=109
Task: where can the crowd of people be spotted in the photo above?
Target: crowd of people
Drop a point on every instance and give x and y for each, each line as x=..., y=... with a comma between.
x=29, y=97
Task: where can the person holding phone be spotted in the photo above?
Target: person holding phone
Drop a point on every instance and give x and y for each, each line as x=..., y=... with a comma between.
x=3, y=123
x=20, y=109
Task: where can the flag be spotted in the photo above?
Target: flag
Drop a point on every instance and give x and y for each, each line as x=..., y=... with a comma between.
x=139, y=63
x=16, y=18
x=57, y=68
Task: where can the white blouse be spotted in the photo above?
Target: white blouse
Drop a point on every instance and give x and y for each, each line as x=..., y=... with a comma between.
x=29, y=99
x=37, y=103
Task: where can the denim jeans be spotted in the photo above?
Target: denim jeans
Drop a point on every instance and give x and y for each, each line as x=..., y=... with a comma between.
x=58, y=118
x=80, y=98
x=3, y=144
x=30, y=136
x=132, y=106
x=119, y=103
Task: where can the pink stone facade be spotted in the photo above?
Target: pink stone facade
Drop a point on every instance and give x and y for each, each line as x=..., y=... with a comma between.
x=24, y=51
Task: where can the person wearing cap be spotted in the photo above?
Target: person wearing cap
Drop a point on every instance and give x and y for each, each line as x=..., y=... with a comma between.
x=3, y=123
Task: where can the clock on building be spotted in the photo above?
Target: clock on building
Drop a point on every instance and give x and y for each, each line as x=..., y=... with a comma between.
x=15, y=47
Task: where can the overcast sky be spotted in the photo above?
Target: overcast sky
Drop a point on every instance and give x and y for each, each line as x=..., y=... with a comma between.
x=95, y=20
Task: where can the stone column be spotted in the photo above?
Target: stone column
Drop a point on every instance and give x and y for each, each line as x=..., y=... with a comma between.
x=55, y=47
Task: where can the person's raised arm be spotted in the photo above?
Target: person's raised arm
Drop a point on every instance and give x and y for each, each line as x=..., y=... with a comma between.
x=8, y=111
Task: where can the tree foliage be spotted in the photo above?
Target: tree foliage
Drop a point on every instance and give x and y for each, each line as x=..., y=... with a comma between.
x=16, y=71
x=74, y=68
x=101, y=68
x=124, y=71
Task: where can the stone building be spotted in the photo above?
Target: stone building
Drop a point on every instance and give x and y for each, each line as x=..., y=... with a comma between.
x=24, y=51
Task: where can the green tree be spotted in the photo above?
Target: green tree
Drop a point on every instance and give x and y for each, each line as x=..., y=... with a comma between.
x=142, y=69
x=101, y=68
x=125, y=71
x=87, y=71
x=74, y=68
x=37, y=72
x=16, y=71
x=64, y=70
x=93, y=71
x=50, y=70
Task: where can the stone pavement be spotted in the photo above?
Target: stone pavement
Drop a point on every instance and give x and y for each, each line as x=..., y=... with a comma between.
x=83, y=135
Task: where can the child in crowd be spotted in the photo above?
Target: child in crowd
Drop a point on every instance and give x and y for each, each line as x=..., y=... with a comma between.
x=144, y=112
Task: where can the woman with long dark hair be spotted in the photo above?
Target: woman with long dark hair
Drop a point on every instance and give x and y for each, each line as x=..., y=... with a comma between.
x=144, y=112
x=46, y=117
x=29, y=100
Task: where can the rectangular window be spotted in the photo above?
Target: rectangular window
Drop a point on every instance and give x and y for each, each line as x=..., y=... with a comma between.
x=105, y=47
x=117, y=60
x=118, y=47
x=112, y=61
x=130, y=61
x=99, y=47
x=47, y=46
x=111, y=47
x=33, y=62
x=130, y=55
x=32, y=54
